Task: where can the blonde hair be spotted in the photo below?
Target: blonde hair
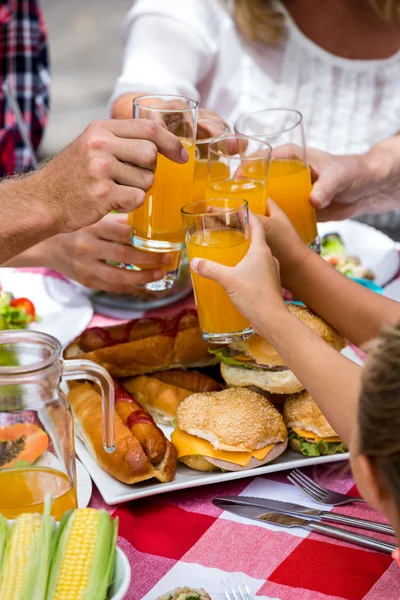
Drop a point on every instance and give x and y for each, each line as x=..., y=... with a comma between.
x=379, y=410
x=258, y=20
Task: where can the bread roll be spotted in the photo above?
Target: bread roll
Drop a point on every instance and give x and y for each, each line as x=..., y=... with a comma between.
x=128, y=463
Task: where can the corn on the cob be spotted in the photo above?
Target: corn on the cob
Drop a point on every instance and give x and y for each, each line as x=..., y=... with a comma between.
x=20, y=550
x=83, y=561
x=3, y=537
x=24, y=566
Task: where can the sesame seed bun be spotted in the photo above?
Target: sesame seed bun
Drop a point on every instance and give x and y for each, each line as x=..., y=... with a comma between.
x=301, y=411
x=236, y=419
x=260, y=350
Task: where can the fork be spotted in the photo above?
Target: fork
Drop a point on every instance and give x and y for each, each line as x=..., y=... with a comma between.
x=236, y=589
x=318, y=493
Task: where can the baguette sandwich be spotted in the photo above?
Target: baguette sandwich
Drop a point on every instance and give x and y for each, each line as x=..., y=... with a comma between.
x=161, y=393
x=255, y=363
x=142, y=450
x=145, y=345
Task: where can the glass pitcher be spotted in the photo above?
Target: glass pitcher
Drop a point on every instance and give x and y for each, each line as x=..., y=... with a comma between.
x=37, y=451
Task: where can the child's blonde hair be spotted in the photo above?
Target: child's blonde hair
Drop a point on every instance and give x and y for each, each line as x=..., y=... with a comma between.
x=258, y=19
x=379, y=410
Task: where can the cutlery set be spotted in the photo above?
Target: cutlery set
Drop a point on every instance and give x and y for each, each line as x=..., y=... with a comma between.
x=285, y=514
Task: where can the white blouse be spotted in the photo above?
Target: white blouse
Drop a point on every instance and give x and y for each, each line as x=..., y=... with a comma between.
x=192, y=48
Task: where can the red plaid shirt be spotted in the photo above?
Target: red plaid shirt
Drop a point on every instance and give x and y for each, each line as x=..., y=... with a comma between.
x=24, y=63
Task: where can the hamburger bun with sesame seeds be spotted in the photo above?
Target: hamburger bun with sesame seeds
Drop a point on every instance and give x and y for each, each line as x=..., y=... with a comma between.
x=255, y=363
x=232, y=430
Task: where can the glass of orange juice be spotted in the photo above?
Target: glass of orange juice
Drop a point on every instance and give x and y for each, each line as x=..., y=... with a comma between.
x=238, y=168
x=207, y=131
x=289, y=180
x=217, y=229
x=157, y=225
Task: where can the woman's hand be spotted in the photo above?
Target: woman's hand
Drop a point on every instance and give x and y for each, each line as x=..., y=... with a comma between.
x=347, y=186
x=82, y=256
x=253, y=284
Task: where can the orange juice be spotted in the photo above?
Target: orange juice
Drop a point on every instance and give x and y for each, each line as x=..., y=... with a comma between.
x=289, y=185
x=159, y=218
x=24, y=490
x=252, y=190
x=218, y=170
x=172, y=266
x=216, y=312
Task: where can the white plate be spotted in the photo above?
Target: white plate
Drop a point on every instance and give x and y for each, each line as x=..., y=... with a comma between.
x=64, y=310
x=114, y=492
x=393, y=290
x=375, y=249
x=83, y=485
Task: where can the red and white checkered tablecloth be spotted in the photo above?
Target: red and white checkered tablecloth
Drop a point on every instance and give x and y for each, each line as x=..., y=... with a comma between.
x=181, y=538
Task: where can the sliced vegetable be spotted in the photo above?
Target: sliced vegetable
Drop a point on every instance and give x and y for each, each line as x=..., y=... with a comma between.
x=84, y=556
x=318, y=448
x=21, y=442
x=224, y=355
x=332, y=243
x=16, y=313
x=25, y=305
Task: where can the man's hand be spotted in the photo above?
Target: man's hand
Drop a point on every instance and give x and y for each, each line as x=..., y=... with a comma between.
x=109, y=167
x=83, y=255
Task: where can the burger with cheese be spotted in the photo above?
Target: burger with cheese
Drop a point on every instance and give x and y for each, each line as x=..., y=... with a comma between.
x=255, y=363
x=232, y=430
x=309, y=431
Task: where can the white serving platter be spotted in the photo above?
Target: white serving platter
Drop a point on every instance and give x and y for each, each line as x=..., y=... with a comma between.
x=375, y=249
x=115, y=492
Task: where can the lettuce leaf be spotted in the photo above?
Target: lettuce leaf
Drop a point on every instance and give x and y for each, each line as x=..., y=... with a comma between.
x=224, y=356
x=319, y=448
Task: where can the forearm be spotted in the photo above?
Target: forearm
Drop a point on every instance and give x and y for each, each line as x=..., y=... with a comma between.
x=332, y=380
x=355, y=311
x=37, y=256
x=28, y=216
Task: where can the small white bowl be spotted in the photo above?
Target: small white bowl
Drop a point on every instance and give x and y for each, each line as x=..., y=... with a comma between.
x=122, y=577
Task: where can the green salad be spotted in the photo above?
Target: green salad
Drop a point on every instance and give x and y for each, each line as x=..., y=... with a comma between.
x=15, y=313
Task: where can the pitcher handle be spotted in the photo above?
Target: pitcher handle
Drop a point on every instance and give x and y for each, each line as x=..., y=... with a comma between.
x=89, y=370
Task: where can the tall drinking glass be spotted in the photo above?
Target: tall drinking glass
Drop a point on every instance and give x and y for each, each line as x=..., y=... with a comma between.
x=238, y=168
x=289, y=181
x=207, y=131
x=217, y=229
x=157, y=225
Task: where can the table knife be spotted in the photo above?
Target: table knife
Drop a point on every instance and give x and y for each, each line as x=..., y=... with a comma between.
x=311, y=513
x=256, y=513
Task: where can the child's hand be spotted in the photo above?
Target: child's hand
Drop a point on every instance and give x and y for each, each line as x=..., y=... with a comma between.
x=253, y=285
x=284, y=242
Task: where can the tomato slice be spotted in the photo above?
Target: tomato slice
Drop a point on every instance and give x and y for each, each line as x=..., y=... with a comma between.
x=25, y=305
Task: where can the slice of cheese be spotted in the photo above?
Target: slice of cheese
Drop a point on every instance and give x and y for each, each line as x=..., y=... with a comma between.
x=311, y=435
x=189, y=445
